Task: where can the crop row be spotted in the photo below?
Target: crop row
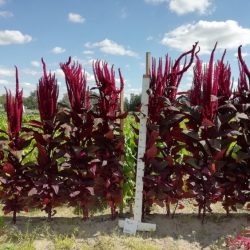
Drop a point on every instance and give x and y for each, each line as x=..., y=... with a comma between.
x=198, y=144
x=76, y=152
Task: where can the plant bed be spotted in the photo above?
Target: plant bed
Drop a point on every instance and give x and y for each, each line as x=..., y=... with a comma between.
x=184, y=231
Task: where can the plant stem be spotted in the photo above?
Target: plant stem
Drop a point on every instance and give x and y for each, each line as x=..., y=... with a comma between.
x=173, y=214
x=14, y=217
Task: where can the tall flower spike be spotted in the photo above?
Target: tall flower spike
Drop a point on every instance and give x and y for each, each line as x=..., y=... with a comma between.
x=14, y=108
x=76, y=85
x=175, y=74
x=109, y=94
x=243, y=85
x=196, y=92
x=47, y=95
x=105, y=78
x=210, y=89
x=224, y=78
x=157, y=88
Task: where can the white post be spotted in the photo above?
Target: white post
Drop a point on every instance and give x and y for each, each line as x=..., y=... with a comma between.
x=141, y=151
x=142, y=142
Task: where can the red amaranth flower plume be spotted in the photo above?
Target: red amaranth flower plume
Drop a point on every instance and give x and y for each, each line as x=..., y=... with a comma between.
x=109, y=94
x=14, y=108
x=224, y=79
x=165, y=82
x=175, y=73
x=243, y=84
x=204, y=91
x=76, y=85
x=47, y=95
x=196, y=90
x=157, y=88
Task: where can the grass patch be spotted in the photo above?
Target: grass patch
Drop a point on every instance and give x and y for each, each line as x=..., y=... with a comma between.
x=139, y=244
x=64, y=242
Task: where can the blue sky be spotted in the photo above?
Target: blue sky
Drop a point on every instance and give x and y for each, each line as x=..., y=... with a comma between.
x=118, y=31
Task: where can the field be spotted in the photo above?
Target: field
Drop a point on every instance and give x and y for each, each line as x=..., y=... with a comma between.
x=67, y=231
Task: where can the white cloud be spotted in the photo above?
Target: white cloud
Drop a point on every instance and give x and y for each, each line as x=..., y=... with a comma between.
x=75, y=18
x=142, y=64
x=6, y=14
x=4, y=82
x=183, y=6
x=88, y=52
x=110, y=47
x=149, y=38
x=123, y=13
x=59, y=73
x=90, y=78
x=27, y=88
x=58, y=50
x=244, y=54
x=13, y=37
x=35, y=64
x=86, y=63
x=2, y=2
x=229, y=35
x=6, y=72
x=31, y=72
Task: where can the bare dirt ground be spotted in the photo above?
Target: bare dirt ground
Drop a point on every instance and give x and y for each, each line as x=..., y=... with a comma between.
x=67, y=231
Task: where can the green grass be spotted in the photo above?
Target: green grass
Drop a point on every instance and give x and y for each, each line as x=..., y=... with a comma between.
x=64, y=242
x=16, y=240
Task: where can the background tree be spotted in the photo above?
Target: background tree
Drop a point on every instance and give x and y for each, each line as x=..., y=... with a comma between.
x=2, y=99
x=135, y=102
x=30, y=102
x=126, y=104
x=65, y=100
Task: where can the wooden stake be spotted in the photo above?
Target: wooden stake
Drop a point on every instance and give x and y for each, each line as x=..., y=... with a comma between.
x=122, y=134
x=141, y=151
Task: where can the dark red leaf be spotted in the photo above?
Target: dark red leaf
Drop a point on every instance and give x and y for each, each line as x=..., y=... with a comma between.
x=181, y=206
x=55, y=188
x=74, y=194
x=8, y=168
x=151, y=152
x=152, y=138
x=93, y=168
x=109, y=135
x=207, y=123
x=91, y=190
x=33, y=191
x=46, y=201
x=43, y=158
x=212, y=168
x=35, y=124
x=248, y=206
x=219, y=156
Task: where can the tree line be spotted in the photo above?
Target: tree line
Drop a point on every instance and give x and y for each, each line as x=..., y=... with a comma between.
x=30, y=102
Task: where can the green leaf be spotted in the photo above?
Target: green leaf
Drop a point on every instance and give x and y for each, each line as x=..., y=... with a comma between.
x=193, y=162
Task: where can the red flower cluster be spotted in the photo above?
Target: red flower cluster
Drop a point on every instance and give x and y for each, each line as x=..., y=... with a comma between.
x=211, y=84
x=164, y=83
x=76, y=85
x=109, y=94
x=47, y=94
x=243, y=85
x=14, y=108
